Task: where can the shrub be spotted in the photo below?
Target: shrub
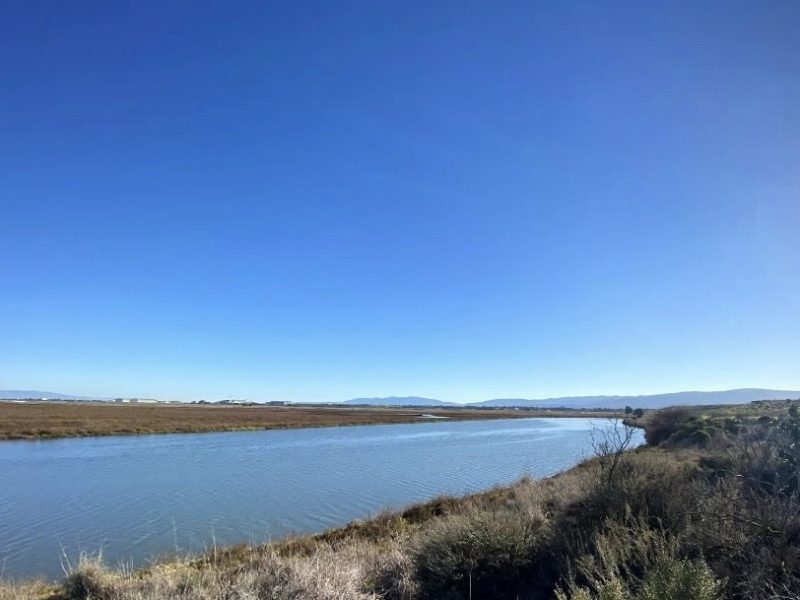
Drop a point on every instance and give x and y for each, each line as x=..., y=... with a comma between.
x=731, y=425
x=654, y=487
x=327, y=574
x=664, y=423
x=749, y=536
x=87, y=581
x=620, y=551
x=669, y=579
x=672, y=579
x=699, y=437
x=613, y=590
x=483, y=554
x=788, y=451
x=392, y=576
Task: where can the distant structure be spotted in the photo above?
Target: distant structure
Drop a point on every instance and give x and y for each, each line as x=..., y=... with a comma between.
x=137, y=401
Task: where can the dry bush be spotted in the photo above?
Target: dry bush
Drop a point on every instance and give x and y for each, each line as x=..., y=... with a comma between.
x=747, y=522
x=89, y=579
x=327, y=575
x=620, y=551
x=667, y=579
x=661, y=424
x=483, y=554
x=391, y=575
x=632, y=561
x=671, y=579
x=749, y=538
x=652, y=485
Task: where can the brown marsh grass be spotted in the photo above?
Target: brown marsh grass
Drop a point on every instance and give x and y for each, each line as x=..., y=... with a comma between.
x=34, y=420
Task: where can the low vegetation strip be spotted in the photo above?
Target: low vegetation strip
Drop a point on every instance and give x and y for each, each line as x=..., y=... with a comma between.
x=708, y=516
x=36, y=420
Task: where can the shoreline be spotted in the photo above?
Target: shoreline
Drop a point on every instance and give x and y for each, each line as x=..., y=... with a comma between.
x=372, y=526
x=41, y=564
x=40, y=421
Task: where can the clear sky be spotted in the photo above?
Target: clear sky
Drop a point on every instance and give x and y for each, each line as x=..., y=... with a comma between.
x=461, y=200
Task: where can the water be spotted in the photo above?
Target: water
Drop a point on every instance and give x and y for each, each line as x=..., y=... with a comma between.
x=139, y=497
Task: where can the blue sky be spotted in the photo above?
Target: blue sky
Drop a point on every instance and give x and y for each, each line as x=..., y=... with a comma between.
x=462, y=200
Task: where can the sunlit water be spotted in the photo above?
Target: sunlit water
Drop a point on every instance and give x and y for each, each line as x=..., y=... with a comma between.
x=139, y=497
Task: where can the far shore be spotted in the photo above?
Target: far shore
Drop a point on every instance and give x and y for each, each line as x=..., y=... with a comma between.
x=49, y=420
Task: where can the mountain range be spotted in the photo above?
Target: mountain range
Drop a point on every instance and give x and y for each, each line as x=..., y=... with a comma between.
x=399, y=401
x=738, y=396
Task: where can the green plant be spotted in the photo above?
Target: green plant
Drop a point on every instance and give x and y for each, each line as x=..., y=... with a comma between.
x=483, y=554
x=664, y=423
x=669, y=579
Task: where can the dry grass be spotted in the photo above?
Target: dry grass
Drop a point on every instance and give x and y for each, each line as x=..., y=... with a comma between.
x=326, y=575
x=56, y=420
x=25, y=590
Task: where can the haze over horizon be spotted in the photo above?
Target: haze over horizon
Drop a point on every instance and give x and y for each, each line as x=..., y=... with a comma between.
x=459, y=201
x=600, y=401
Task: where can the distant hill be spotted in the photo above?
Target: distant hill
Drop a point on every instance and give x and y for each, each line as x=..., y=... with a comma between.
x=740, y=396
x=38, y=394
x=399, y=401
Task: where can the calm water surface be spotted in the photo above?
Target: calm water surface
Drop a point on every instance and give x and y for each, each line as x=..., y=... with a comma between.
x=139, y=497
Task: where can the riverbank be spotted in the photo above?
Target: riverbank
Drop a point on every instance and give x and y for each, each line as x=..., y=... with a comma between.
x=47, y=420
x=709, y=510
